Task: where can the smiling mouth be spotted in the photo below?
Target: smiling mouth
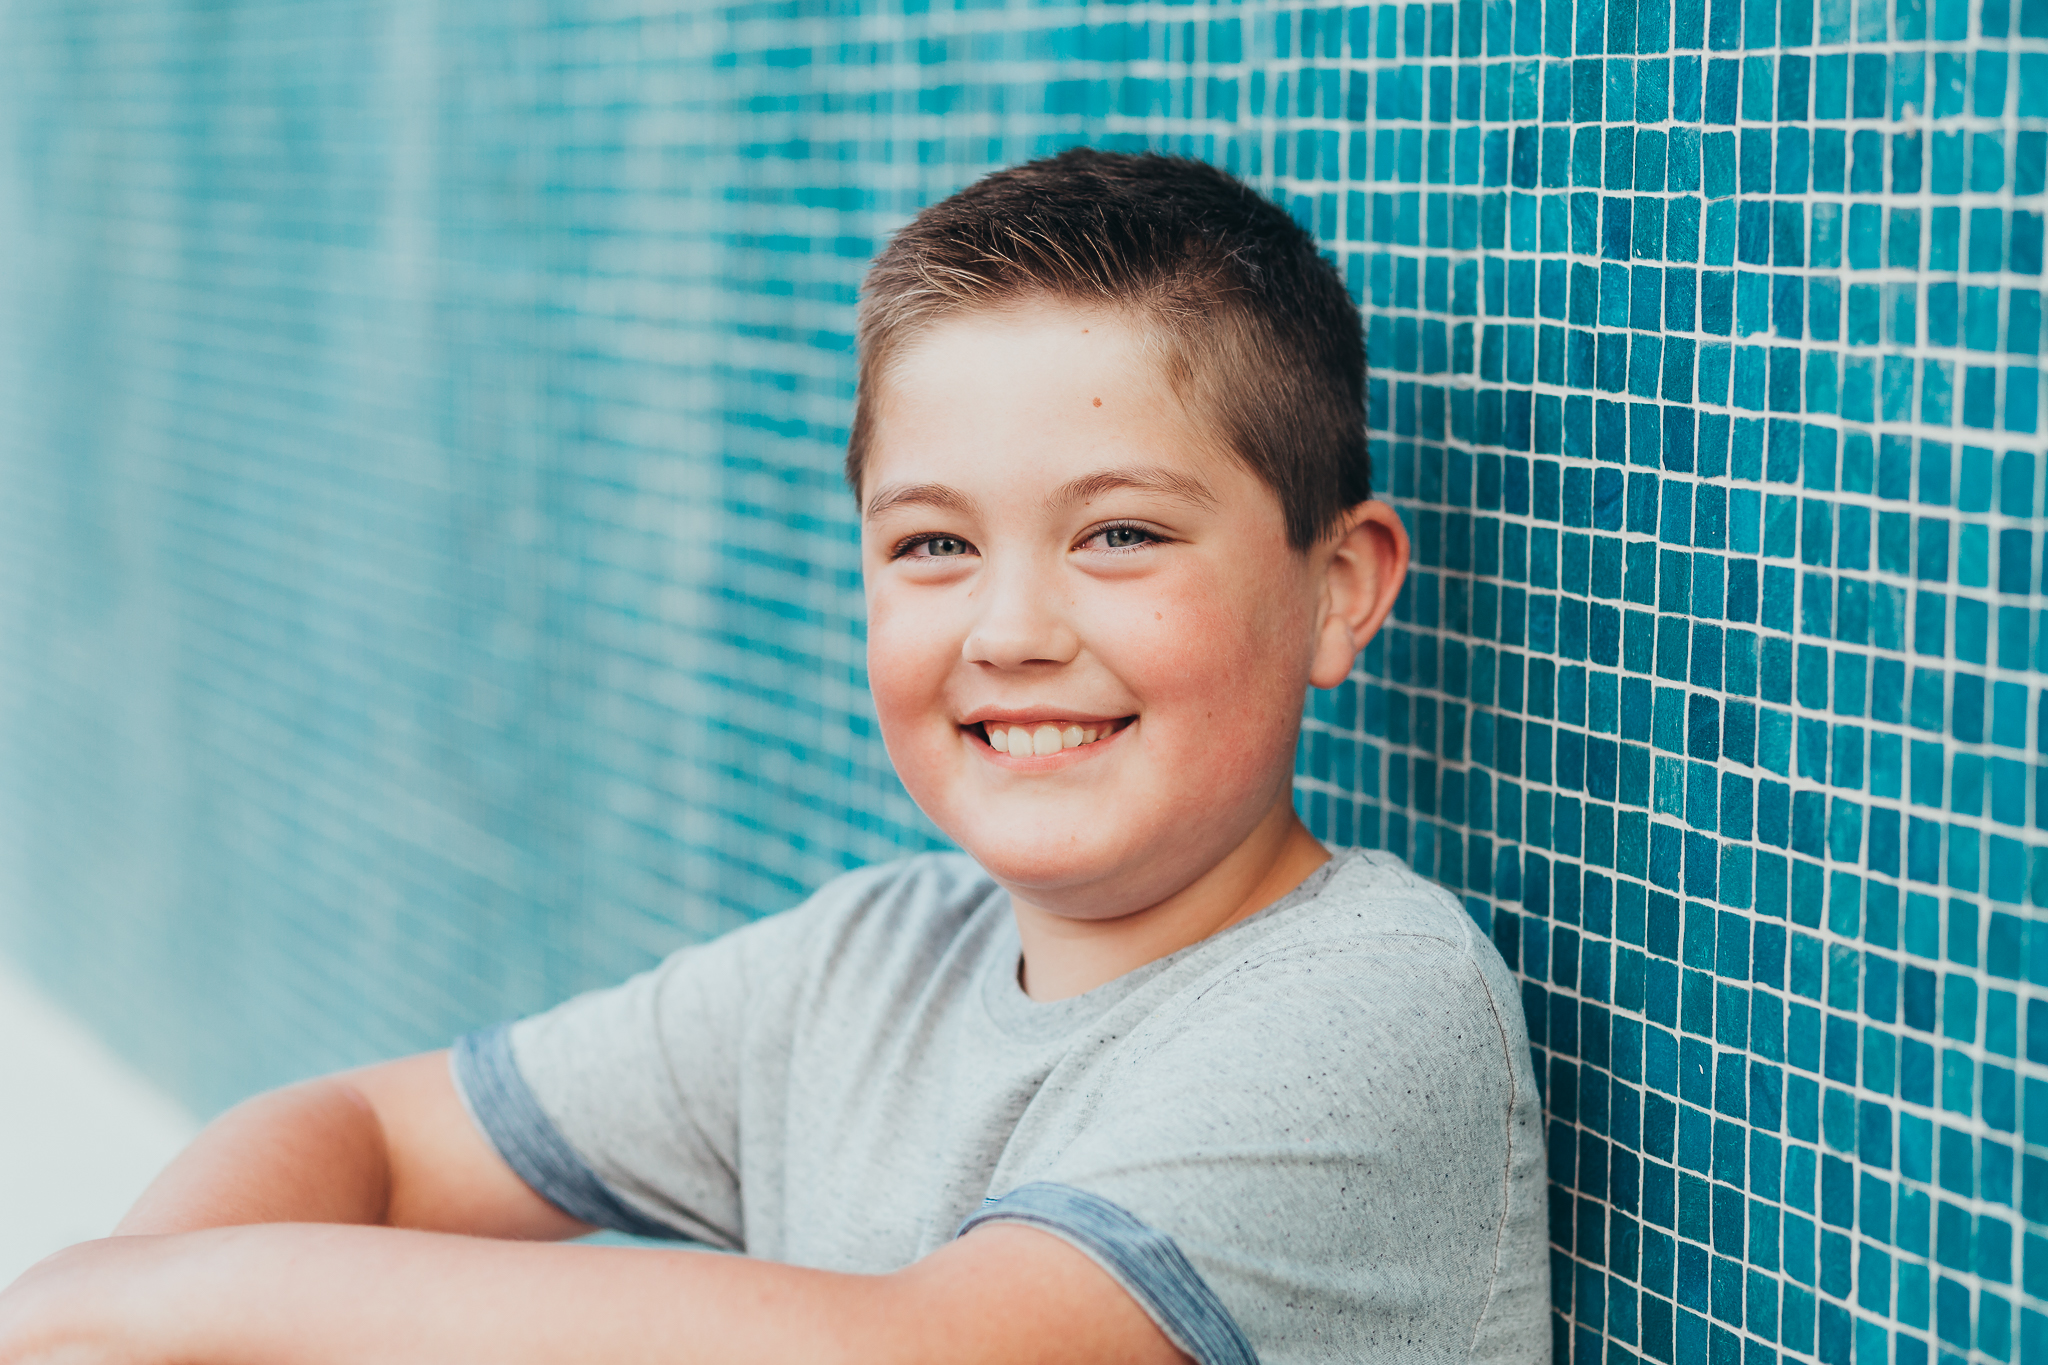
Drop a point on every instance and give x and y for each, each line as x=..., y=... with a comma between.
x=1041, y=739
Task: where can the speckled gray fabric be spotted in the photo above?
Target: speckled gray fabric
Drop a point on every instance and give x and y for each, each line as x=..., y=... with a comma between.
x=1312, y=1137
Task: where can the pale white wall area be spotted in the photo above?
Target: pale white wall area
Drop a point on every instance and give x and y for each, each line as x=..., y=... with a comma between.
x=81, y=1133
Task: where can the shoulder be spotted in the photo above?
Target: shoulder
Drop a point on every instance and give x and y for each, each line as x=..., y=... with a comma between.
x=921, y=887
x=871, y=926
x=922, y=895
x=1372, y=895
x=1371, y=916
x=909, y=904
x=1377, y=953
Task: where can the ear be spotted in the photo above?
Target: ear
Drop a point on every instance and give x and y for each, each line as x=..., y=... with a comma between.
x=1365, y=569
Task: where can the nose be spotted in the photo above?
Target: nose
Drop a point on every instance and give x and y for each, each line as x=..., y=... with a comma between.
x=1022, y=616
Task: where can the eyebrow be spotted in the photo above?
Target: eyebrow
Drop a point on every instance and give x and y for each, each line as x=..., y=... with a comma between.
x=1083, y=489
x=919, y=495
x=1168, y=482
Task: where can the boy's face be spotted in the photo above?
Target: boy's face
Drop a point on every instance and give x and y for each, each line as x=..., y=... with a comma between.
x=1055, y=549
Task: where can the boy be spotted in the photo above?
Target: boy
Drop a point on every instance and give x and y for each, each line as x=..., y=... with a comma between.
x=1152, y=1077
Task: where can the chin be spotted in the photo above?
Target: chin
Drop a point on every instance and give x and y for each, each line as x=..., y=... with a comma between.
x=1093, y=876
x=1028, y=865
x=1098, y=855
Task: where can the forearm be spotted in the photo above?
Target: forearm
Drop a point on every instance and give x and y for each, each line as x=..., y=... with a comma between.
x=299, y=1294
x=311, y=1295
x=311, y=1153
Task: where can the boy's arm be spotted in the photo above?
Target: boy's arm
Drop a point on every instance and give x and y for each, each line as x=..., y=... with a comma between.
x=195, y=1278
x=299, y=1294
x=389, y=1144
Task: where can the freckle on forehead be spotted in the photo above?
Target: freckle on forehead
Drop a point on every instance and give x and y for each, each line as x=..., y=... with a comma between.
x=1098, y=402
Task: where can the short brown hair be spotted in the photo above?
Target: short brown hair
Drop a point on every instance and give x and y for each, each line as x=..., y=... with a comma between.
x=1255, y=326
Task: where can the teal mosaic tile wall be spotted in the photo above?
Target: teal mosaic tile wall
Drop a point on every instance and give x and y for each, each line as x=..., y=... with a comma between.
x=425, y=587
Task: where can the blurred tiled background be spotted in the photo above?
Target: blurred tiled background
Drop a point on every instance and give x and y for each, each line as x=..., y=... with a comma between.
x=81, y=1132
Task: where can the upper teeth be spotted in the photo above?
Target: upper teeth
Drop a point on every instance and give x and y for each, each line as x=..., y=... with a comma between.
x=1035, y=741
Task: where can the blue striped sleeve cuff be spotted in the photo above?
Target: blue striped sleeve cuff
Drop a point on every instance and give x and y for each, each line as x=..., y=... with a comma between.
x=1145, y=1261
x=504, y=1106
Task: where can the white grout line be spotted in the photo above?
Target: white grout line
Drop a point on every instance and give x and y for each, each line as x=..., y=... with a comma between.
x=81, y=1133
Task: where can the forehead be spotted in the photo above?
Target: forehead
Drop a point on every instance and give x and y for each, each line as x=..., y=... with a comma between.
x=1038, y=342
x=1036, y=397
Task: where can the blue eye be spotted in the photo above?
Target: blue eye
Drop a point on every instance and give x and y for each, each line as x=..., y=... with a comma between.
x=942, y=546
x=1123, y=538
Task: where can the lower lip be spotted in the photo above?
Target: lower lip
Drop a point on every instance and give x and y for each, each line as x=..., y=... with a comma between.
x=1038, y=763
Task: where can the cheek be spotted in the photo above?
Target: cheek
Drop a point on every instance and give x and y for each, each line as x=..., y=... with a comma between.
x=909, y=657
x=1224, y=660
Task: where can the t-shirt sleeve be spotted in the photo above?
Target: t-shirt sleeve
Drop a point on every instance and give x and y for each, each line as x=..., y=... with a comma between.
x=621, y=1107
x=1311, y=1164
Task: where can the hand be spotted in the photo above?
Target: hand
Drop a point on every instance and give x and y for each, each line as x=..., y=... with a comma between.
x=89, y=1305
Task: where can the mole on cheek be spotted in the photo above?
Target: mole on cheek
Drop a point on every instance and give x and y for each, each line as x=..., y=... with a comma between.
x=1098, y=402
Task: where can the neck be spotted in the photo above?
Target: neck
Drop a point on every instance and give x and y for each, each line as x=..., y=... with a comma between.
x=1066, y=957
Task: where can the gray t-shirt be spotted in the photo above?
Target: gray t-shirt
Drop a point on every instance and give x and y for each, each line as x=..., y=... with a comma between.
x=1314, y=1136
